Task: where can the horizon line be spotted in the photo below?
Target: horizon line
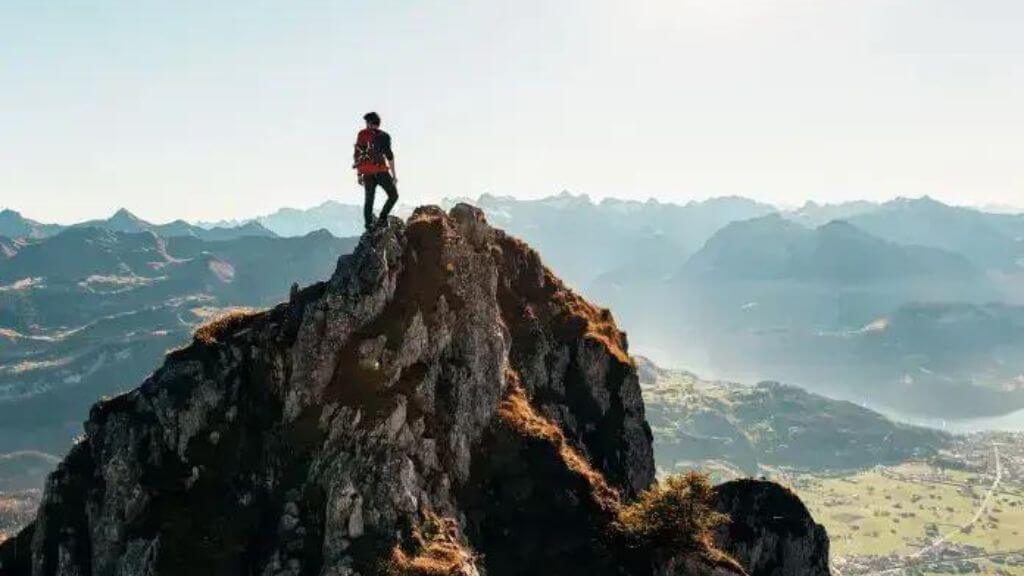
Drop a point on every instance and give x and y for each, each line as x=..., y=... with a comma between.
x=988, y=207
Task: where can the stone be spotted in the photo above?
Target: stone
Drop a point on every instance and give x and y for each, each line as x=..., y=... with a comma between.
x=770, y=532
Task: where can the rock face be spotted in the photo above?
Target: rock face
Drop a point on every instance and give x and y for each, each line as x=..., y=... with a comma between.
x=770, y=532
x=442, y=405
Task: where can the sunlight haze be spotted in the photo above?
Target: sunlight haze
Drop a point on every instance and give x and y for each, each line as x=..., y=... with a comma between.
x=233, y=109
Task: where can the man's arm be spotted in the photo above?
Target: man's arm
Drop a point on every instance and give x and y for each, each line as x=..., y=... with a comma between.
x=355, y=162
x=390, y=155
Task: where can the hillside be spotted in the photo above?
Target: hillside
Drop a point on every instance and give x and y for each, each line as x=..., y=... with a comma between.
x=770, y=425
x=441, y=391
x=82, y=252
x=8, y=247
x=772, y=248
x=895, y=499
x=14, y=225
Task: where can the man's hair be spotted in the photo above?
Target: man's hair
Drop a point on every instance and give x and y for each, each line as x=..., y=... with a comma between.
x=372, y=118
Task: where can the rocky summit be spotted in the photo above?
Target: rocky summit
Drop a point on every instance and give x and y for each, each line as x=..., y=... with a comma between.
x=442, y=405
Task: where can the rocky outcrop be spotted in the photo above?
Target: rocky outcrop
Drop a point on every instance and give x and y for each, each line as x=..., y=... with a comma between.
x=770, y=532
x=442, y=405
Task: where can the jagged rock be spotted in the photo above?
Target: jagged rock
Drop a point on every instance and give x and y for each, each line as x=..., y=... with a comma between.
x=442, y=405
x=770, y=531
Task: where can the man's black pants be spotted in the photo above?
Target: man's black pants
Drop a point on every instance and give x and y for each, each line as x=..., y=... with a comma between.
x=370, y=182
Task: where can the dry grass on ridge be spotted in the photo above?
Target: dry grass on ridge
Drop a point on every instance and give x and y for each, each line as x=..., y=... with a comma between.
x=214, y=330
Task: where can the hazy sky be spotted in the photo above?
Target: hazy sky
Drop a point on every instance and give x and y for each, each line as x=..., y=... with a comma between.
x=202, y=109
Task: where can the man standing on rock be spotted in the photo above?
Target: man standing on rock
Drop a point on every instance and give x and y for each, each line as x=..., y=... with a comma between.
x=375, y=165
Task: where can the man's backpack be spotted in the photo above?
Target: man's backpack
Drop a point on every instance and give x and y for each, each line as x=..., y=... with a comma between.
x=367, y=150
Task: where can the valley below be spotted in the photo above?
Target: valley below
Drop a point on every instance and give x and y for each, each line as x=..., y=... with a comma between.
x=895, y=499
x=962, y=512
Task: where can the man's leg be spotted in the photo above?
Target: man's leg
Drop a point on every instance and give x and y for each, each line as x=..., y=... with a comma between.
x=370, y=189
x=388, y=184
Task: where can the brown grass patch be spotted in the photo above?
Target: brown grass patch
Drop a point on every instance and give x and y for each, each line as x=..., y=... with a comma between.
x=222, y=324
x=599, y=322
x=677, y=514
x=516, y=411
x=562, y=303
x=439, y=551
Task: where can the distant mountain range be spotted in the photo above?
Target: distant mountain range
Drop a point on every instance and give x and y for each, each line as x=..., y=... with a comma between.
x=840, y=310
x=604, y=235
x=339, y=219
x=990, y=240
x=771, y=248
x=14, y=225
x=582, y=239
x=88, y=311
x=843, y=298
x=768, y=273
x=652, y=237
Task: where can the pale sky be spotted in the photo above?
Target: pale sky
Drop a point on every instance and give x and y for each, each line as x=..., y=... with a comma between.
x=209, y=110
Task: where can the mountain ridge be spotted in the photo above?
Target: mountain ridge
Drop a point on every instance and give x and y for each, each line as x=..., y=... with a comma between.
x=442, y=389
x=15, y=226
x=835, y=251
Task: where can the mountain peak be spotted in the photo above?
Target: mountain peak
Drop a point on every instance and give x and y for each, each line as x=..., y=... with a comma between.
x=442, y=390
x=14, y=225
x=123, y=214
x=925, y=201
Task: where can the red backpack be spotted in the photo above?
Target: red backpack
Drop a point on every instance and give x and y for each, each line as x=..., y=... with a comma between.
x=368, y=153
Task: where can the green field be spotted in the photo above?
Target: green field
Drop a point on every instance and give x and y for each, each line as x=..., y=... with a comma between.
x=899, y=510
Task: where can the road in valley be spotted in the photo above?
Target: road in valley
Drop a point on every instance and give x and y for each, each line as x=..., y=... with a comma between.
x=915, y=558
